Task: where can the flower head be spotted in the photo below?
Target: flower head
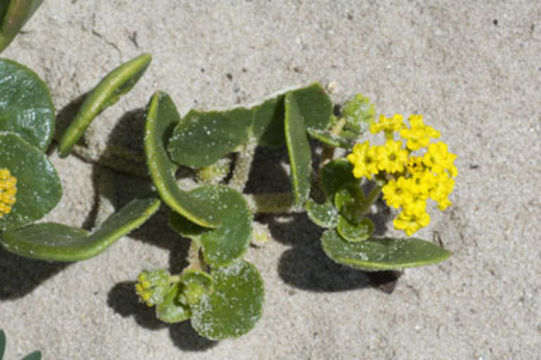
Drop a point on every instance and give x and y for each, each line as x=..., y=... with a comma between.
x=8, y=192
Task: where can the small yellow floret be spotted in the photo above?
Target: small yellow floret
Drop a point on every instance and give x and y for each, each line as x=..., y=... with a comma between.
x=411, y=222
x=388, y=125
x=419, y=134
x=8, y=192
x=393, y=157
x=365, y=159
x=439, y=160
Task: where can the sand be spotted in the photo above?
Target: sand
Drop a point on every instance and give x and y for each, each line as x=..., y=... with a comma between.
x=472, y=68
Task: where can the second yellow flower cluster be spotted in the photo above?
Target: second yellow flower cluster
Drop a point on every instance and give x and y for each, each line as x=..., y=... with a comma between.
x=408, y=180
x=8, y=190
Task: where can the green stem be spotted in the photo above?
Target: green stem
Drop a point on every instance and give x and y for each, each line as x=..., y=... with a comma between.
x=371, y=198
x=271, y=203
x=194, y=257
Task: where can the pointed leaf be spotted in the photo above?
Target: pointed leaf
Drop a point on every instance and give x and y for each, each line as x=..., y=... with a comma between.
x=202, y=138
x=58, y=242
x=38, y=186
x=227, y=243
x=355, y=232
x=382, y=253
x=268, y=118
x=171, y=310
x=26, y=107
x=234, y=305
x=323, y=215
x=108, y=91
x=300, y=156
x=13, y=15
x=162, y=117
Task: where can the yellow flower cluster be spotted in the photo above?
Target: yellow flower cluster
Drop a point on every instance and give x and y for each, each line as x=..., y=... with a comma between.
x=409, y=180
x=8, y=190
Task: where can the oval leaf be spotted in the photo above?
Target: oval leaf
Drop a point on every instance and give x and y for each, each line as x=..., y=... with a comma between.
x=26, y=107
x=201, y=138
x=106, y=93
x=323, y=215
x=162, y=117
x=353, y=232
x=57, y=242
x=359, y=114
x=35, y=355
x=234, y=305
x=171, y=310
x=223, y=245
x=13, y=15
x=38, y=185
x=298, y=148
x=268, y=118
x=377, y=254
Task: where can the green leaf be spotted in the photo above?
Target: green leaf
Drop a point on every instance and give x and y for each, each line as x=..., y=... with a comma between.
x=195, y=284
x=328, y=138
x=13, y=15
x=201, y=138
x=335, y=175
x=2, y=344
x=38, y=186
x=171, y=310
x=323, y=215
x=26, y=107
x=162, y=117
x=36, y=355
x=350, y=200
x=298, y=148
x=223, y=245
x=377, y=254
x=234, y=305
x=108, y=91
x=58, y=242
x=355, y=232
x=359, y=114
x=268, y=118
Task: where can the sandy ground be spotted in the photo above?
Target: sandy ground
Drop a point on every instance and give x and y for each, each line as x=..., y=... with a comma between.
x=473, y=68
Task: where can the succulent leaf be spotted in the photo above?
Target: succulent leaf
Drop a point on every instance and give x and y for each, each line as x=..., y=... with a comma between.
x=375, y=254
x=162, y=117
x=335, y=175
x=171, y=310
x=223, y=245
x=300, y=156
x=38, y=186
x=202, y=138
x=26, y=108
x=13, y=15
x=329, y=138
x=355, y=232
x=268, y=118
x=234, y=305
x=195, y=284
x=58, y=242
x=323, y=215
x=108, y=91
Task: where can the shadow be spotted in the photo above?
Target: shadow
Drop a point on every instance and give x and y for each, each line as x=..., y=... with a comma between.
x=185, y=338
x=124, y=301
x=65, y=116
x=19, y=276
x=267, y=174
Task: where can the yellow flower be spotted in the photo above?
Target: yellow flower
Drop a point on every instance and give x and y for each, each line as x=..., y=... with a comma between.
x=394, y=192
x=419, y=134
x=8, y=192
x=387, y=124
x=365, y=159
x=415, y=164
x=438, y=159
x=393, y=157
x=441, y=190
x=411, y=222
